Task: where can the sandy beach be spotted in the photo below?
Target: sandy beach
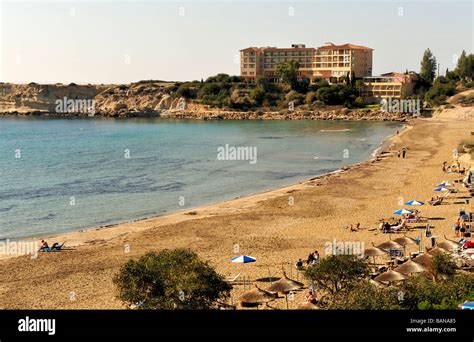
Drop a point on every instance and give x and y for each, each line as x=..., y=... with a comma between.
x=276, y=227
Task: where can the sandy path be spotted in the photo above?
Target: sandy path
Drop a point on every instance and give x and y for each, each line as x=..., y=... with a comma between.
x=264, y=226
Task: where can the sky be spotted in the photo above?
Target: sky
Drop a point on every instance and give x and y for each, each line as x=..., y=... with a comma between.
x=104, y=41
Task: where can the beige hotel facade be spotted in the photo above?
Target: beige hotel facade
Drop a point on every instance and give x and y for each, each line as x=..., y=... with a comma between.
x=330, y=62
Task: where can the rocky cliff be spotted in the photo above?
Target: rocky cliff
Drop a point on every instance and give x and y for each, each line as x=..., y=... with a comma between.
x=148, y=98
x=104, y=100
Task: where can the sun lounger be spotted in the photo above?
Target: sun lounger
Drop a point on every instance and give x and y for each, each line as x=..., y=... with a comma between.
x=415, y=220
x=53, y=248
x=437, y=202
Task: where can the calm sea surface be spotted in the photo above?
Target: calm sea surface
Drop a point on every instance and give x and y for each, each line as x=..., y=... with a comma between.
x=60, y=175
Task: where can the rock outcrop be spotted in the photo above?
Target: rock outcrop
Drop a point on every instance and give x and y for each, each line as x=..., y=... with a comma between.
x=149, y=98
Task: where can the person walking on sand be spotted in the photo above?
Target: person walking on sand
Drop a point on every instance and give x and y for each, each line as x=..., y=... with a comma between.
x=404, y=152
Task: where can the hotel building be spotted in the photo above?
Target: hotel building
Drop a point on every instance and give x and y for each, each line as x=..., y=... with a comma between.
x=389, y=85
x=329, y=62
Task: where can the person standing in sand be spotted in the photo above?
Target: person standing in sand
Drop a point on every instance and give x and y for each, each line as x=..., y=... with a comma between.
x=404, y=152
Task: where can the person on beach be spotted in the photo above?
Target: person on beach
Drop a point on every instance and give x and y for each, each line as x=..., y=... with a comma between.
x=316, y=256
x=356, y=228
x=311, y=297
x=398, y=154
x=44, y=246
x=457, y=226
x=404, y=152
x=310, y=259
x=444, y=166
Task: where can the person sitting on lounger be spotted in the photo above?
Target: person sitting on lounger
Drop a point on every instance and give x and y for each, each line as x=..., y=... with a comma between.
x=44, y=246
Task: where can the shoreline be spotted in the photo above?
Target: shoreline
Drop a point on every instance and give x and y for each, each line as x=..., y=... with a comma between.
x=63, y=236
x=266, y=225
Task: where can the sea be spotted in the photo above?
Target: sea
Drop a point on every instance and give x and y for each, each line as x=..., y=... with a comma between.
x=62, y=174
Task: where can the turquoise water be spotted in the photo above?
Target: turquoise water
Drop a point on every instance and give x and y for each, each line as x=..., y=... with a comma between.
x=60, y=175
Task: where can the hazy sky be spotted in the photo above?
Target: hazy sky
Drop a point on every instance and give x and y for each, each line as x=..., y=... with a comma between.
x=99, y=41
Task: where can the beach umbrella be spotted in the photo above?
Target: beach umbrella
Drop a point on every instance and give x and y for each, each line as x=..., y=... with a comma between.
x=257, y=296
x=390, y=276
x=436, y=250
x=388, y=245
x=285, y=285
x=404, y=241
x=449, y=245
x=425, y=260
x=402, y=211
x=243, y=259
x=441, y=189
x=414, y=202
x=307, y=306
x=373, y=252
x=467, y=305
x=410, y=267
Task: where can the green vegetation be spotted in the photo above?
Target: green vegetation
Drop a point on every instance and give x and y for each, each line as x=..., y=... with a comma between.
x=436, y=91
x=337, y=274
x=170, y=279
x=428, y=67
x=344, y=279
x=235, y=93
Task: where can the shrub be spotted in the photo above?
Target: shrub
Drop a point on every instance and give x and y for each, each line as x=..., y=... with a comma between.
x=170, y=279
x=443, y=265
x=337, y=273
x=359, y=102
x=311, y=97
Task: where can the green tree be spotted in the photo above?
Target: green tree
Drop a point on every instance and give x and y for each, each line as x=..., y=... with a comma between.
x=428, y=67
x=337, y=273
x=170, y=279
x=462, y=66
x=443, y=265
x=366, y=296
x=288, y=73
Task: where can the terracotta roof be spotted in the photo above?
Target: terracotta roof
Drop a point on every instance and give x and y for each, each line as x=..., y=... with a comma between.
x=288, y=49
x=344, y=46
x=322, y=73
x=251, y=49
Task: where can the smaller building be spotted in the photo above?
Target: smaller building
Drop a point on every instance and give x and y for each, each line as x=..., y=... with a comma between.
x=389, y=85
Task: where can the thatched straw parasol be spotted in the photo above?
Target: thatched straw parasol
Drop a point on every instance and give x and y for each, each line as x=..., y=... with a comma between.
x=390, y=276
x=437, y=249
x=285, y=285
x=257, y=296
x=405, y=241
x=449, y=245
x=374, y=251
x=425, y=260
x=307, y=306
x=387, y=245
x=410, y=267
